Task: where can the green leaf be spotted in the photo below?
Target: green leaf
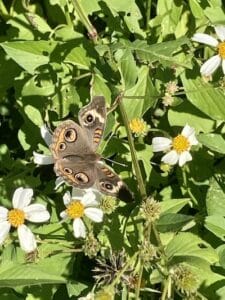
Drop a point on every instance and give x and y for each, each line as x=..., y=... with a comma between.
x=128, y=69
x=221, y=252
x=65, y=101
x=173, y=205
x=100, y=87
x=216, y=224
x=162, y=52
x=186, y=113
x=78, y=57
x=31, y=88
x=144, y=154
x=91, y=6
x=29, y=54
x=38, y=22
x=196, y=9
x=27, y=275
x=74, y=288
x=172, y=222
x=215, y=15
x=215, y=198
x=188, y=244
x=209, y=100
x=213, y=141
x=142, y=96
x=34, y=115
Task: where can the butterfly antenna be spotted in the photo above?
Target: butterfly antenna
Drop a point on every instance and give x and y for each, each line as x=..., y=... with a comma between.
x=115, y=162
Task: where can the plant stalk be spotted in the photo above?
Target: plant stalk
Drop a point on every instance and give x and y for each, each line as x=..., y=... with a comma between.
x=132, y=149
x=84, y=19
x=148, y=13
x=3, y=11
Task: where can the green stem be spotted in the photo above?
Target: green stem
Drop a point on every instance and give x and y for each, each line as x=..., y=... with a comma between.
x=148, y=12
x=137, y=293
x=159, y=242
x=3, y=11
x=11, y=11
x=147, y=232
x=67, y=14
x=184, y=173
x=83, y=76
x=166, y=289
x=132, y=148
x=84, y=19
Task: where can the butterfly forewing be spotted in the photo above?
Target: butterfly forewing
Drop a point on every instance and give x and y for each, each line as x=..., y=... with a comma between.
x=69, y=139
x=92, y=118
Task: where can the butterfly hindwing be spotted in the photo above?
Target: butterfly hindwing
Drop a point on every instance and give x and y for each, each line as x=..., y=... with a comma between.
x=108, y=182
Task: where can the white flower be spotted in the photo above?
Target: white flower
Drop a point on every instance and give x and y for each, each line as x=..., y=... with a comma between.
x=82, y=203
x=213, y=63
x=178, y=148
x=42, y=159
x=22, y=210
x=89, y=296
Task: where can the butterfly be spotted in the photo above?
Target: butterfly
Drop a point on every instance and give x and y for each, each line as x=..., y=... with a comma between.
x=74, y=149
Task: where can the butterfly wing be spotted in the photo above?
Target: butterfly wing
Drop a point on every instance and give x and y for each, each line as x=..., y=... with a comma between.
x=92, y=118
x=75, y=172
x=69, y=139
x=108, y=182
x=74, y=158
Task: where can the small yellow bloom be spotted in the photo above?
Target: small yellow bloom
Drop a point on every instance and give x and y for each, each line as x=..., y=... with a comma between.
x=16, y=217
x=139, y=127
x=221, y=50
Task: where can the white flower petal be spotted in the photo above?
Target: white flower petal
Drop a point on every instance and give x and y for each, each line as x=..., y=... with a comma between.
x=187, y=131
x=67, y=198
x=79, y=229
x=63, y=214
x=78, y=194
x=4, y=230
x=42, y=159
x=161, y=144
x=3, y=214
x=46, y=135
x=205, y=39
x=223, y=66
x=184, y=157
x=192, y=140
x=220, y=31
x=26, y=239
x=89, y=199
x=36, y=213
x=93, y=213
x=170, y=158
x=210, y=65
x=22, y=197
x=59, y=181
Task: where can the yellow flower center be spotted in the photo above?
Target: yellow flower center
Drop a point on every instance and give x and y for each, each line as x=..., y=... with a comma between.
x=75, y=209
x=138, y=125
x=221, y=50
x=16, y=217
x=180, y=143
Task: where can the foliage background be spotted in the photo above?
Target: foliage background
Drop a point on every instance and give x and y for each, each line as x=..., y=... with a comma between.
x=51, y=63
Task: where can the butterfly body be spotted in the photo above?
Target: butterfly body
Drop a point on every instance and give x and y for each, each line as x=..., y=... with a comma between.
x=74, y=151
